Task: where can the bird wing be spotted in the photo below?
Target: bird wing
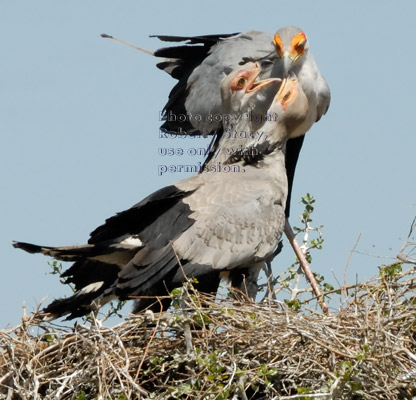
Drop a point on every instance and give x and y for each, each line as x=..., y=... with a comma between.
x=152, y=214
x=293, y=147
x=237, y=221
x=316, y=87
x=179, y=62
x=158, y=219
x=324, y=97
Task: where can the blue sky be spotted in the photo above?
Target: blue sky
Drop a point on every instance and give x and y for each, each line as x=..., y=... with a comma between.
x=79, y=118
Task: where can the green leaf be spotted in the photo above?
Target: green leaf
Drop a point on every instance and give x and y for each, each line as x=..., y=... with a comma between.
x=184, y=388
x=390, y=271
x=355, y=385
x=81, y=396
x=49, y=337
x=176, y=292
x=293, y=304
x=328, y=287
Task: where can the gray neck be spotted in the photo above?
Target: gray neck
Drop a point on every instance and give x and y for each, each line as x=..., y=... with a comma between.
x=246, y=136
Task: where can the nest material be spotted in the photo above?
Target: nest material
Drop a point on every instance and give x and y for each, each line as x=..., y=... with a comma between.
x=225, y=349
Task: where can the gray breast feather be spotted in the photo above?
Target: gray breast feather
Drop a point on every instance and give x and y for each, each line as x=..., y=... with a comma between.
x=236, y=223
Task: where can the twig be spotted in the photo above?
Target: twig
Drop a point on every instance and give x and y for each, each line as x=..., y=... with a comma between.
x=349, y=258
x=305, y=266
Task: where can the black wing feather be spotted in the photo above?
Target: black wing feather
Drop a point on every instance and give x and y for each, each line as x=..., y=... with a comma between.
x=201, y=39
x=142, y=215
x=182, y=60
x=293, y=147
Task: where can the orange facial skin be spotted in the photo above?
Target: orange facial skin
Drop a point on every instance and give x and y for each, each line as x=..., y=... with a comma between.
x=279, y=45
x=287, y=93
x=298, y=46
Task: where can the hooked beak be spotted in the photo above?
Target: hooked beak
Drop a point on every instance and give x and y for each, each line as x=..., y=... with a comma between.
x=293, y=57
x=288, y=59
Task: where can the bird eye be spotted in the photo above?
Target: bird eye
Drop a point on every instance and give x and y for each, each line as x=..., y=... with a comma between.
x=239, y=83
x=299, y=43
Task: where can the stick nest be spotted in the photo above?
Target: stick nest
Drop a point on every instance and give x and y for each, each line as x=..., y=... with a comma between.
x=207, y=348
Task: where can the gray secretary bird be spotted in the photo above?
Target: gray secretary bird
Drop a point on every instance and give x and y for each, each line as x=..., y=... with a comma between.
x=219, y=220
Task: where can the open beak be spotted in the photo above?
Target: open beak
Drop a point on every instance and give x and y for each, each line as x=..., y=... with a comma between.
x=287, y=92
x=254, y=84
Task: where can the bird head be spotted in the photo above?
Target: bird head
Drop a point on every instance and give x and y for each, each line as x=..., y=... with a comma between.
x=290, y=105
x=292, y=47
x=242, y=91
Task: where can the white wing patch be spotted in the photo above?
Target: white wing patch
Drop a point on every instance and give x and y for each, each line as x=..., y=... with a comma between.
x=92, y=287
x=132, y=241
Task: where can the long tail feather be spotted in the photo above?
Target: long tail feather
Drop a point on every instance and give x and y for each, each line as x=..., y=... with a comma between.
x=114, y=253
x=88, y=299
